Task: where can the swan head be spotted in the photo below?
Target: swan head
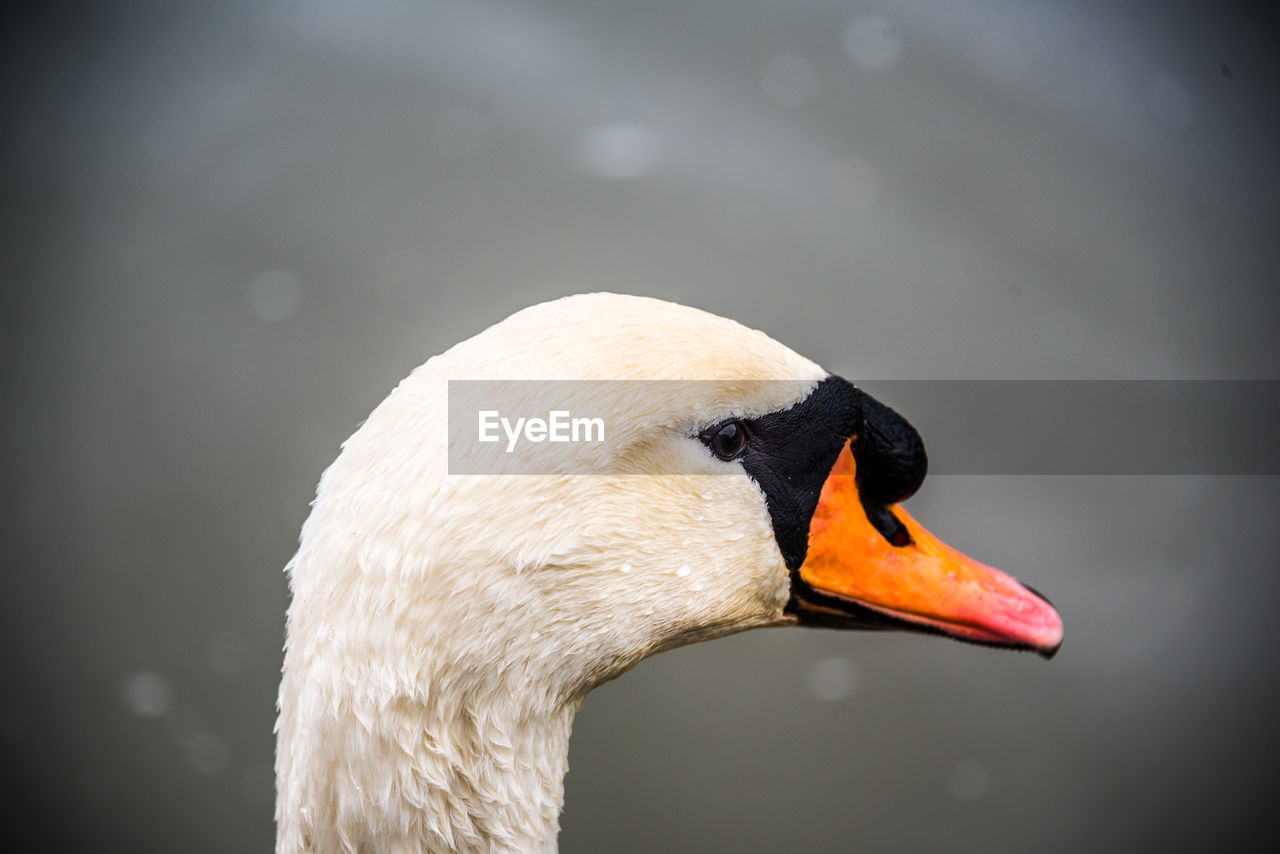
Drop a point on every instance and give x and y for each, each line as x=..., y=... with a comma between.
x=455, y=598
x=735, y=484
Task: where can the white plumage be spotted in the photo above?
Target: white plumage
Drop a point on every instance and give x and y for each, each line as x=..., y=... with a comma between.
x=444, y=629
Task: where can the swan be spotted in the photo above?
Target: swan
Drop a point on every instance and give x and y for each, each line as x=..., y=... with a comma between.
x=444, y=628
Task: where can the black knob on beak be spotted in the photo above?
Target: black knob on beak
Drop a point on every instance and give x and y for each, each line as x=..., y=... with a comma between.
x=890, y=455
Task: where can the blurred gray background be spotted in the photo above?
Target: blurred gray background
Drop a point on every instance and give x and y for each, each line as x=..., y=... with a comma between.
x=232, y=227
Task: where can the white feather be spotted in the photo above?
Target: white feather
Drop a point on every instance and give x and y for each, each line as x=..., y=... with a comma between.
x=444, y=629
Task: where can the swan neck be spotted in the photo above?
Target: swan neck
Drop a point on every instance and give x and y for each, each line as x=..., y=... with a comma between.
x=407, y=778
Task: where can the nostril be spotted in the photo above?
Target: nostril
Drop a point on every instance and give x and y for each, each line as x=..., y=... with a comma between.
x=889, y=525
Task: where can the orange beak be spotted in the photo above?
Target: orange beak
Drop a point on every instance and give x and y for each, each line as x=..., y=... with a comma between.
x=917, y=579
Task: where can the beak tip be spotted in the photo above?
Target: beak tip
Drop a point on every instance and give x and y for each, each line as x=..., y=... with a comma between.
x=1048, y=652
x=1048, y=646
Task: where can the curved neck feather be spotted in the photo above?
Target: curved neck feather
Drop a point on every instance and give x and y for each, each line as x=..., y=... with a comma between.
x=411, y=776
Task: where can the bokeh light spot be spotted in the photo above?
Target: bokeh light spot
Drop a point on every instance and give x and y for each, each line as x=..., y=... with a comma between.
x=228, y=652
x=618, y=151
x=969, y=780
x=872, y=42
x=832, y=679
x=275, y=295
x=208, y=754
x=147, y=694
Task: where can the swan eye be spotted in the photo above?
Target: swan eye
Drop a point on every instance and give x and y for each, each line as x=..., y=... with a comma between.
x=727, y=440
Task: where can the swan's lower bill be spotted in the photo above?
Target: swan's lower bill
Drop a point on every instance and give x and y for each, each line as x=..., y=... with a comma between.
x=876, y=567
